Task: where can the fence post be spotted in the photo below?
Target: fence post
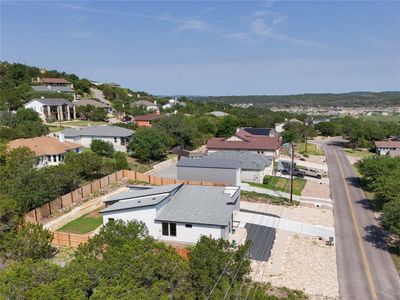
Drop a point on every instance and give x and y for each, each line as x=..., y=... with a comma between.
x=48, y=203
x=36, y=218
x=69, y=239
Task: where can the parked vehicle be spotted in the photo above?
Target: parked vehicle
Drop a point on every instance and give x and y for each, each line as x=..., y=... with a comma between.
x=296, y=172
x=312, y=172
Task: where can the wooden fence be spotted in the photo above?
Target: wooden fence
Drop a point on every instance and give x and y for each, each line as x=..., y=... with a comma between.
x=74, y=240
x=81, y=194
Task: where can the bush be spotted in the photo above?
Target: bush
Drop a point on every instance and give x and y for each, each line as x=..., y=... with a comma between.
x=102, y=148
x=267, y=179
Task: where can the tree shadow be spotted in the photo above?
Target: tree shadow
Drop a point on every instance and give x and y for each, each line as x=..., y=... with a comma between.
x=377, y=236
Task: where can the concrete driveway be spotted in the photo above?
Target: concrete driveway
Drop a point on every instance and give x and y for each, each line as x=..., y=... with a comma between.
x=167, y=172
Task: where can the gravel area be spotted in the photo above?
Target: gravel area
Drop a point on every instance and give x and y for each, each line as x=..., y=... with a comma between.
x=311, y=215
x=316, y=189
x=308, y=265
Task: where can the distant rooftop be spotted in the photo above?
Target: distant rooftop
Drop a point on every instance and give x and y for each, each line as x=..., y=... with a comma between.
x=246, y=160
x=54, y=80
x=49, y=88
x=84, y=102
x=51, y=101
x=104, y=131
x=208, y=163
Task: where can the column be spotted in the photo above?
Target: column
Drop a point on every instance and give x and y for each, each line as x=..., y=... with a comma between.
x=74, y=110
x=58, y=114
x=48, y=113
x=68, y=113
x=61, y=113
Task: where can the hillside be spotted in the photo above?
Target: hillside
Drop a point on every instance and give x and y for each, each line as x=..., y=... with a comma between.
x=352, y=99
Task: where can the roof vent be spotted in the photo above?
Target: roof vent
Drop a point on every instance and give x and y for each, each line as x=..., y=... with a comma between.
x=139, y=201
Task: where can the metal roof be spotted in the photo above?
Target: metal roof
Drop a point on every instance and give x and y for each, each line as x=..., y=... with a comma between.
x=105, y=131
x=198, y=205
x=247, y=160
x=208, y=163
x=51, y=101
x=258, y=131
x=136, y=202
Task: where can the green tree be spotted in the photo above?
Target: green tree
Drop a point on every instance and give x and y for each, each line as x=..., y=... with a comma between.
x=88, y=165
x=29, y=241
x=121, y=162
x=148, y=144
x=102, y=148
x=227, y=126
x=391, y=215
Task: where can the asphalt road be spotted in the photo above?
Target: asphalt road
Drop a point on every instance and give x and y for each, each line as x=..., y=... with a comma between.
x=365, y=268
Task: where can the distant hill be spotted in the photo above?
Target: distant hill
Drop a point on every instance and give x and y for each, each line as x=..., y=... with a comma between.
x=353, y=99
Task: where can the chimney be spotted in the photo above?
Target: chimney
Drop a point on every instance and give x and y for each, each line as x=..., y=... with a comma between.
x=61, y=137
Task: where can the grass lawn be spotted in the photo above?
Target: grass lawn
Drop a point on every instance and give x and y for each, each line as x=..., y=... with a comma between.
x=380, y=118
x=358, y=153
x=311, y=149
x=84, y=224
x=55, y=128
x=282, y=184
x=258, y=197
x=83, y=123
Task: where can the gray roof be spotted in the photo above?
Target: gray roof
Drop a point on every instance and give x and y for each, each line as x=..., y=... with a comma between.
x=84, y=102
x=247, y=160
x=219, y=113
x=186, y=203
x=208, y=163
x=45, y=88
x=104, y=131
x=134, y=193
x=52, y=101
x=198, y=205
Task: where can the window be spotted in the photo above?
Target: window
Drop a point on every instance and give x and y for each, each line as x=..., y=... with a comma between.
x=188, y=225
x=169, y=229
x=172, y=229
x=165, y=229
x=110, y=219
x=48, y=158
x=115, y=140
x=54, y=158
x=122, y=141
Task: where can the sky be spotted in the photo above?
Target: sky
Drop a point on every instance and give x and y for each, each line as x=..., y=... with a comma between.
x=211, y=47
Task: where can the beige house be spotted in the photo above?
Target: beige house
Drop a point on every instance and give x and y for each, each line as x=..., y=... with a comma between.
x=53, y=109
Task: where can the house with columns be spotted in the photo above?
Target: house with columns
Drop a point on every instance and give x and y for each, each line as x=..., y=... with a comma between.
x=53, y=109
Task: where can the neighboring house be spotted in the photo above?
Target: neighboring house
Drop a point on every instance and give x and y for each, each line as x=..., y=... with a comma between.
x=171, y=103
x=280, y=127
x=55, y=82
x=95, y=103
x=49, y=151
x=119, y=137
x=53, y=109
x=146, y=120
x=178, y=213
x=384, y=147
x=244, y=141
x=150, y=106
x=211, y=170
x=53, y=89
x=394, y=153
x=253, y=166
x=261, y=131
x=218, y=114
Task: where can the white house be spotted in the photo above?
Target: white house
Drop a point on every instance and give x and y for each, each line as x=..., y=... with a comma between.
x=178, y=213
x=52, y=109
x=49, y=151
x=385, y=147
x=150, y=106
x=119, y=137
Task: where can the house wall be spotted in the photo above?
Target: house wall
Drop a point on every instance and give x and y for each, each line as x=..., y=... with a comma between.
x=148, y=216
x=87, y=140
x=52, y=160
x=38, y=107
x=143, y=123
x=385, y=151
x=251, y=176
x=273, y=153
x=229, y=176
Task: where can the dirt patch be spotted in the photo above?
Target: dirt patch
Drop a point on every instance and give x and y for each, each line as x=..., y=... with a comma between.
x=95, y=213
x=316, y=189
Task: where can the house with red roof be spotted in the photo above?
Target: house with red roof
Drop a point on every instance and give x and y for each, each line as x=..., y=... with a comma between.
x=146, y=120
x=243, y=140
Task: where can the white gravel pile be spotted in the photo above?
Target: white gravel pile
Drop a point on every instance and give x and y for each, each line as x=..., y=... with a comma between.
x=310, y=266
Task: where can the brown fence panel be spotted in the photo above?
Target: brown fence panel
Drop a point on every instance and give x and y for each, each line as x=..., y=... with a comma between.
x=206, y=183
x=31, y=217
x=167, y=181
x=76, y=195
x=112, y=178
x=130, y=174
x=193, y=182
x=181, y=181
x=104, y=182
x=67, y=200
x=56, y=205
x=95, y=186
x=43, y=211
x=119, y=175
x=77, y=239
x=157, y=180
x=61, y=239
x=86, y=190
x=142, y=177
x=219, y=184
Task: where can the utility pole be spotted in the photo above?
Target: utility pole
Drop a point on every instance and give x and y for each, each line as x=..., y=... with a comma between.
x=291, y=174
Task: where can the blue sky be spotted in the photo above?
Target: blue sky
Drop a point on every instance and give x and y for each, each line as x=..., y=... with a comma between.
x=211, y=47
